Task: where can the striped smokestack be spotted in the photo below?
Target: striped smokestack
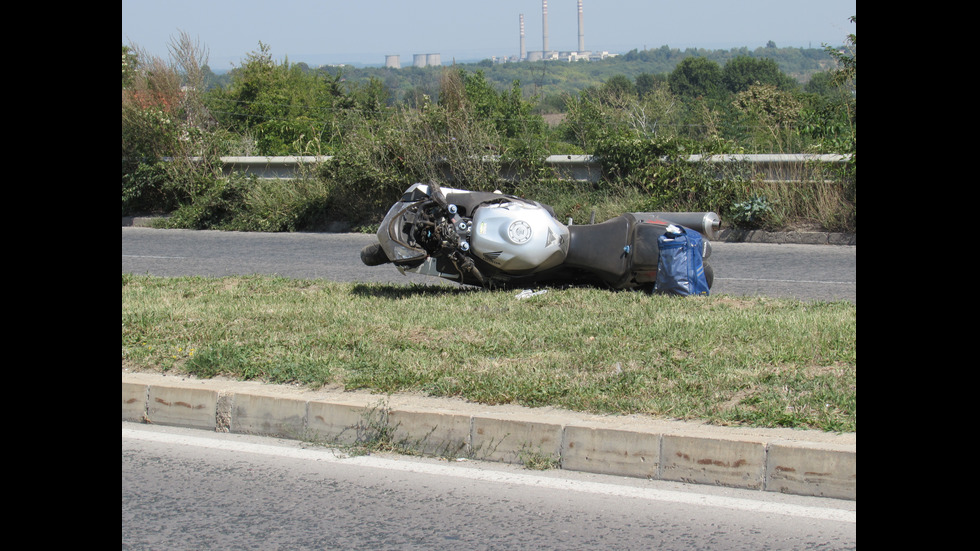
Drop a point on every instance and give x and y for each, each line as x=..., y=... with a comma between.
x=523, y=47
x=581, y=29
x=544, y=27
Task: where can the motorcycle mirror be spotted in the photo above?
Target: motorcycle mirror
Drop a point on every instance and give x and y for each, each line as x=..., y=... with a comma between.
x=437, y=195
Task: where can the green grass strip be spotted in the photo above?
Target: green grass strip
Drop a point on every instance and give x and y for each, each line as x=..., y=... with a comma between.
x=726, y=360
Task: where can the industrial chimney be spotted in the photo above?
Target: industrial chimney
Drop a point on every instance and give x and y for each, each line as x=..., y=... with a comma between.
x=581, y=29
x=544, y=28
x=523, y=47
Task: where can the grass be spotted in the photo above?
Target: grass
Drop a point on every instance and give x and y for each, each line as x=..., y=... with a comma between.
x=724, y=360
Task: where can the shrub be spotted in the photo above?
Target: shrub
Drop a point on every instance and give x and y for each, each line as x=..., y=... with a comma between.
x=752, y=213
x=660, y=167
x=244, y=203
x=168, y=136
x=210, y=208
x=144, y=188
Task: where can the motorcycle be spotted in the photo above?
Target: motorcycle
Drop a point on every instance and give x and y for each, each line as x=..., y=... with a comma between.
x=494, y=240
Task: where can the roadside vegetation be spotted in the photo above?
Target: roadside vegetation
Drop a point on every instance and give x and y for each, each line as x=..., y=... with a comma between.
x=719, y=359
x=178, y=121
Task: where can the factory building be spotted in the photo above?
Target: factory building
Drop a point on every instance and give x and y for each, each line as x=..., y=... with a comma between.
x=545, y=53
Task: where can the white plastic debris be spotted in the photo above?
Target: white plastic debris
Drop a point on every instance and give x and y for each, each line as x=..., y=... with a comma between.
x=529, y=293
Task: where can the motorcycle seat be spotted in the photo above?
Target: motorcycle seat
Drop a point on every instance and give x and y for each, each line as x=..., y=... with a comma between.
x=601, y=248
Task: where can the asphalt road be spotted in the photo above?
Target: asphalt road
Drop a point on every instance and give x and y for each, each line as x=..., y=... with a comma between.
x=192, y=489
x=805, y=272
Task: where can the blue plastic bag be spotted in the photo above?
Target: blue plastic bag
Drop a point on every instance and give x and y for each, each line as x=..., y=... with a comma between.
x=680, y=269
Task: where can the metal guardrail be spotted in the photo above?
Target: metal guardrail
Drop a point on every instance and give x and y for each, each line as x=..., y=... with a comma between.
x=772, y=167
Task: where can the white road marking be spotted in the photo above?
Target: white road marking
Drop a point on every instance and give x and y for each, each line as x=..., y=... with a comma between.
x=328, y=455
x=785, y=280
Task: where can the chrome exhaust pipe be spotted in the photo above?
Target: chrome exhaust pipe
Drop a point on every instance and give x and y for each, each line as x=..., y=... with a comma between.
x=707, y=224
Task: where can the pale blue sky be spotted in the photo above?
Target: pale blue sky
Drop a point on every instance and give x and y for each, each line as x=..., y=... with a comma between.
x=318, y=32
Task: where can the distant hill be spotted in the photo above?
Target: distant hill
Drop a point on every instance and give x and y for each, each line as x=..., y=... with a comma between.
x=555, y=78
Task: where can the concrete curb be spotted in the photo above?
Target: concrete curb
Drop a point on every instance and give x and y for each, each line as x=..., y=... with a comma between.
x=796, y=237
x=807, y=463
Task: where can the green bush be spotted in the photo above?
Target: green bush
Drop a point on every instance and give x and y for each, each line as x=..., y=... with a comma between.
x=144, y=189
x=245, y=203
x=276, y=206
x=753, y=213
x=371, y=169
x=217, y=202
x=660, y=168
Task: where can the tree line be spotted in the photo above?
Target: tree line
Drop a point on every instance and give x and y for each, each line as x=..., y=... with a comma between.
x=384, y=126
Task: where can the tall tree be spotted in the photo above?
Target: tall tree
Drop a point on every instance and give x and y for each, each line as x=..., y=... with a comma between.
x=695, y=77
x=743, y=72
x=286, y=109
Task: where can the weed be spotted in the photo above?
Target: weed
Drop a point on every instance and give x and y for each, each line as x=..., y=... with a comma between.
x=536, y=460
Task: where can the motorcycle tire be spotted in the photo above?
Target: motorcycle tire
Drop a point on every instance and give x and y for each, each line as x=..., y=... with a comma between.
x=374, y=255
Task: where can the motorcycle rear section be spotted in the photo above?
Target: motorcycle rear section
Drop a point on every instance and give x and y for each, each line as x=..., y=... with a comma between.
x=496, y=240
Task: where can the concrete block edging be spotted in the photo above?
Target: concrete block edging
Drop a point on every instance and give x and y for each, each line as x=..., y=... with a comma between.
x=767, y=465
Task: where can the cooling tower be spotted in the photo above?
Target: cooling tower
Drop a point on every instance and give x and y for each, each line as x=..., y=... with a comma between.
x=418, y=60
x=433, y=60
x=393, y=61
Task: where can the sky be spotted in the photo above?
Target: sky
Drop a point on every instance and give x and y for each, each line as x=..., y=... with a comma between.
x=364, y=32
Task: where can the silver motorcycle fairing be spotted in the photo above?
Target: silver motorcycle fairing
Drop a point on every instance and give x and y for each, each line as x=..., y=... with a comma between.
x=513, y=237
x=518, y=237
x=395, y=232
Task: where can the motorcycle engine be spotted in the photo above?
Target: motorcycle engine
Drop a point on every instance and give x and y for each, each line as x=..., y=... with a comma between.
x=518, y=237
x=435, y=232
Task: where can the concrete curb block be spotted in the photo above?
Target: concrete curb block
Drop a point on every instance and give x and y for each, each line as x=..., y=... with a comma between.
x=794, y=462
x=794, y=237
